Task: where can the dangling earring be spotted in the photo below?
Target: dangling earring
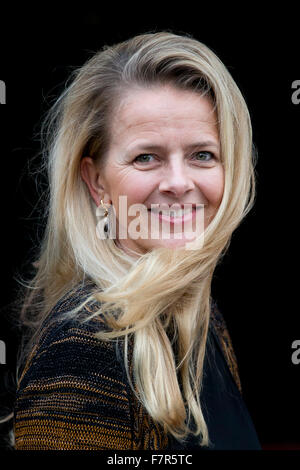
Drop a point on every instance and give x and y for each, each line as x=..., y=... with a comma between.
x=103, y=224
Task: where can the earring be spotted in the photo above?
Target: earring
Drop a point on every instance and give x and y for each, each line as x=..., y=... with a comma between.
x=103, y=224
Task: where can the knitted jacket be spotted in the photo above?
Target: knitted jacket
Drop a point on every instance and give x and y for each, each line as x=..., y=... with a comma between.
x=74, y=393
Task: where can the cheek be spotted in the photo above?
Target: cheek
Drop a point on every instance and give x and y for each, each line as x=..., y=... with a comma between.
x=213, y=186
x=135, y=186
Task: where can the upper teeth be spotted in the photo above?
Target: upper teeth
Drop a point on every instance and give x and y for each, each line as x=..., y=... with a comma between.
x=173, y=213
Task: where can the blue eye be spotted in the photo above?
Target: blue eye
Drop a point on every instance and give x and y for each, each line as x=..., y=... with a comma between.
x=203, y=157
x=143, y=156
x=207, y=156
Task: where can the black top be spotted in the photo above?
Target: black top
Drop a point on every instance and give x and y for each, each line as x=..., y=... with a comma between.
x=230, y=426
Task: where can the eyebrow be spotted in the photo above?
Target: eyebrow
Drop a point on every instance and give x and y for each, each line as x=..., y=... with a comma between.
x=204, y=143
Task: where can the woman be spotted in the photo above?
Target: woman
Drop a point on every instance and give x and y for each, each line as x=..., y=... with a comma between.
x=129, y=350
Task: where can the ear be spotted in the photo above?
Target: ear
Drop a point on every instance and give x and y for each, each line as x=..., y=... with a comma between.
x=94, y=180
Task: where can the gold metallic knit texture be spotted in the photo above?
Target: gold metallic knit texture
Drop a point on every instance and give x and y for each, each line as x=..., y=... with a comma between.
x=74, y=393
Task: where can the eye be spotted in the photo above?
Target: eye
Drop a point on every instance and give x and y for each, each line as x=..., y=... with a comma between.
x=144, y=158
x=204, y=156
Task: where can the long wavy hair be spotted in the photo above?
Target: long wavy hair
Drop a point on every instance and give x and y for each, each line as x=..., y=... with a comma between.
x=165, y=290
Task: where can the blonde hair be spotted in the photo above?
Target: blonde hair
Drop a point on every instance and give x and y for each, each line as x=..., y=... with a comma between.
x=164, y=290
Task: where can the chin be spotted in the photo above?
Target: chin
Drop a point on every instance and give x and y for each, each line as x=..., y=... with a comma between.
x=148, y=245
x=172, y=243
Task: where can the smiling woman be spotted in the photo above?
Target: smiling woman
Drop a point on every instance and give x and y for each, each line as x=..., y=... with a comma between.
x=167, y=121
x=127, y=349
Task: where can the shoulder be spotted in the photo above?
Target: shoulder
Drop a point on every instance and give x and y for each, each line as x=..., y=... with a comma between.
x=68, y=343
x=73, y=391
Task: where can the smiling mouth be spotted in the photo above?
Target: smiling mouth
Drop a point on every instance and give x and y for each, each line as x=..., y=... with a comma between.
x=174, y=211
x=174, y=216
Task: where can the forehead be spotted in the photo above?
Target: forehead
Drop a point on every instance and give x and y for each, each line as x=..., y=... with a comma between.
x=162, y=108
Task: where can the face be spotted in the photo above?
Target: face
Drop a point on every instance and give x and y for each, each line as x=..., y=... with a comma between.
x=164, y=152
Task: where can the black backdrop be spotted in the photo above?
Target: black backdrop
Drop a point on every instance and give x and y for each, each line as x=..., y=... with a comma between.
x=256, y=284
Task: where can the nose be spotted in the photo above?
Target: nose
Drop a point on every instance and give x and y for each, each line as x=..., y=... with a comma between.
x=176, y=179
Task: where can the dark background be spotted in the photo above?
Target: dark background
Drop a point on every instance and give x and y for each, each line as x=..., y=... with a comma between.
x=256, y=284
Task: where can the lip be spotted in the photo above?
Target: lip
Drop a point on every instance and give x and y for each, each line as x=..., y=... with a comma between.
x=176, y=220
x=175, y=205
